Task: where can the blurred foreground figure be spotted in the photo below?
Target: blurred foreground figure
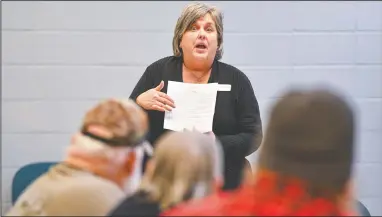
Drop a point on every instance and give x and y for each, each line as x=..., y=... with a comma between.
x=185, y=166
x=100, y=168
x=304, y=166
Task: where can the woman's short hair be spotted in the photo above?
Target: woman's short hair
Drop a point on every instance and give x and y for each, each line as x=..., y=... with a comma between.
x=190, y=14
x=185, y=167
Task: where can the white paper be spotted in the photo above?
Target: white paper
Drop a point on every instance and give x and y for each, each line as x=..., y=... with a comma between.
x=195, y=106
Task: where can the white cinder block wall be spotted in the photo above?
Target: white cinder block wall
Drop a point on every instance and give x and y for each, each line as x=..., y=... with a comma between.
x=60, y=58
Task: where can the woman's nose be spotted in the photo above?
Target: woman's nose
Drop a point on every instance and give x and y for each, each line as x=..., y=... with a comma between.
x=202, y=34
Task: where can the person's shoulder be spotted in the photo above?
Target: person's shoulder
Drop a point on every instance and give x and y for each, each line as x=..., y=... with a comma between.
x=101, y=184
x=211, y=205
x=235, y=73
x=85, y=195
x=33, y=198
x=230, y=69
x=193, y=209
x=139, y=197
x=138, y=204
x=91, y=187
x=165, y=61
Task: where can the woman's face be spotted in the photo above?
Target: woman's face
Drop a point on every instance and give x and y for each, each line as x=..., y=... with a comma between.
x=200, y=41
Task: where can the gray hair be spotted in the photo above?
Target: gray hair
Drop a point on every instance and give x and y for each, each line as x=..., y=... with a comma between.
x=190, y=14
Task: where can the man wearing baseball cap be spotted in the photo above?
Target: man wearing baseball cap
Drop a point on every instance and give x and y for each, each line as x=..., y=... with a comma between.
x=100, y=168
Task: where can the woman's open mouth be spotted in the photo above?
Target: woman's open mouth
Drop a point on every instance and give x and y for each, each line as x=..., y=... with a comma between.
x=201, y=48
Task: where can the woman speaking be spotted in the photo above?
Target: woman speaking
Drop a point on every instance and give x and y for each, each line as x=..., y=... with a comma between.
x=198, y=47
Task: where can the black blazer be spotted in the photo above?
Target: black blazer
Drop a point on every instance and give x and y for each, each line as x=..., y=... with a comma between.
x=236, y=122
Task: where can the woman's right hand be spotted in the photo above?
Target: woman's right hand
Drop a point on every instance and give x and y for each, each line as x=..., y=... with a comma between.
x=153, y=99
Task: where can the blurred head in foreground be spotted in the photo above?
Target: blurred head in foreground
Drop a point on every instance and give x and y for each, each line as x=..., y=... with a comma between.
x=304, y=165
x=110, y=142
x=309, y=144
x=185, y=166
x=99, y=167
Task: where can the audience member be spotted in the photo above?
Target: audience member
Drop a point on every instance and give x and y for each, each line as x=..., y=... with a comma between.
x=97, y=172
x=185, y=166
x=304, y=166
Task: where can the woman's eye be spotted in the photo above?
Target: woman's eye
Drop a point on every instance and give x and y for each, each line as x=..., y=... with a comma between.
x=193, y=28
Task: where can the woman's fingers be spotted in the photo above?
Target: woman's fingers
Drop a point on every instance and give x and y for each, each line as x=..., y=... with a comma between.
x=158, y=108
x=162, y=102
x=161, y=106
x=166, y=99
x=165, y=102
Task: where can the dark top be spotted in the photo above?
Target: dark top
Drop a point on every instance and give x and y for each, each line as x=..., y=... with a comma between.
x=137, y=205
x=236, y=122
